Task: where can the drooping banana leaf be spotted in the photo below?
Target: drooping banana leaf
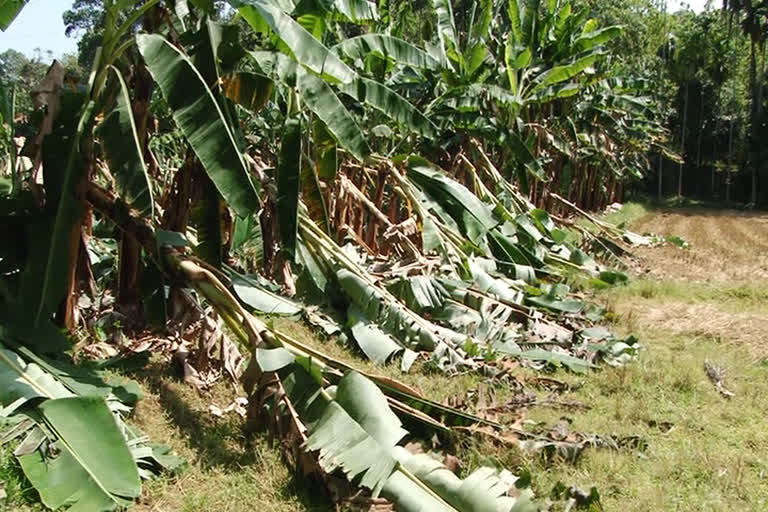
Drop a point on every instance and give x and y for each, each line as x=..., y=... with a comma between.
x=341, y=441
x=306, y=49
x=390, y=104
x=21, y=382
x=485, y=490
x=375, y=344
x=198, y=115
x=87, y=464
x=124, y=153
x=474, y=217
x=288, y=182
x=446, y=27
x=386, y=46
x=589, y=40
x=565, y=72
x=321, y=99
x=261, y=299
x=93, y=468
x=355, y=10
x=419, y=293
x=9, y=9
x=356, y=430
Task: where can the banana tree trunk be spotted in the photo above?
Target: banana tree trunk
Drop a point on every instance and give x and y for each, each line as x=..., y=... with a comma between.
x=129, y=270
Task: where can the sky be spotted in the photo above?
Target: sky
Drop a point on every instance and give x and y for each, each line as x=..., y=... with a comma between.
x=40, y=26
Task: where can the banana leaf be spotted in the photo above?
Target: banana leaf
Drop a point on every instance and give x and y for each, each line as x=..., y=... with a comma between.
x=322, y=100
x=288, y=184
x=124, y=153
x=84, y=463
x=201, y=120
x=390, y=104
x=354, y=429
x=93, y=469
x=9, y=9
x=474, y=217
x=305, y=48
x=388, y=47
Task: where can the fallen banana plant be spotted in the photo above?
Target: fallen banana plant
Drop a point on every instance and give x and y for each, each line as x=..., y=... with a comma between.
x=315, y=397
x=426, y=306
x=369, y=452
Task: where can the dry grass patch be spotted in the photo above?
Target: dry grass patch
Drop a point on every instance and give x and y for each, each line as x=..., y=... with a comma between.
x=726, y=245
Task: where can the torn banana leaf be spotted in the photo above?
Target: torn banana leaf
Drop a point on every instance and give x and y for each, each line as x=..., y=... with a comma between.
x=89, y=465
x=352, y=427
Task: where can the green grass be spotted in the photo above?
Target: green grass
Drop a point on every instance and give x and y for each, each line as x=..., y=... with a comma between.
x=228, y=469
x=715, y=457
x=19, y=494
x=628, y=212
x=735, y=297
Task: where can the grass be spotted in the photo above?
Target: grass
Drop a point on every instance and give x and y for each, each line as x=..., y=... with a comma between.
x=705, y=452
x=19, y=494
x=228, y=470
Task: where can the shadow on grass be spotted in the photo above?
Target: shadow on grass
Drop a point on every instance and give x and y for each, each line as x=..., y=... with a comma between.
x=222, y=443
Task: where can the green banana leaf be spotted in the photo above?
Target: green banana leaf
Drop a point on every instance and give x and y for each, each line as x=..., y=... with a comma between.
x=355, y=10
x=261, y=299
x=198, y=115
x=88, y=466
x=21, y=382
x=124, y=154
x=355, y=429
x=386, y=46
x=390, y=104
x=93, y=469
x=288, y=182
x=9, y=9
x=594, y=38
x=306, y=49
x=321, y=99
x=446, y=27
x=276, y=66
x=485, y=490
x=419, y=293
x=378, y=346
x=565, y=72
x=474, y=217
